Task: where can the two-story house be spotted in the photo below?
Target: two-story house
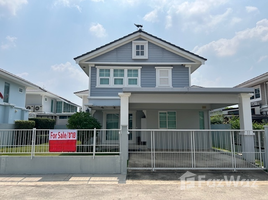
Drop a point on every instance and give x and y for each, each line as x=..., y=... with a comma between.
x=42, y=103
x=259, y=99
x=12, y=99
x=144, y=82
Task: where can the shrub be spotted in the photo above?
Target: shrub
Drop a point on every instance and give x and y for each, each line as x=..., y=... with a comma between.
x=44, y=123
x=23, y=124
x=83, y=120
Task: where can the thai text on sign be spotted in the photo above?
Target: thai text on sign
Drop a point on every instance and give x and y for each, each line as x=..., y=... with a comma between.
x=62, y=140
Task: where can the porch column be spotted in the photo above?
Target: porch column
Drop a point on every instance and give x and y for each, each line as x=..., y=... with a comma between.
x=247, y=137
x=266, y=147
x=124, y=97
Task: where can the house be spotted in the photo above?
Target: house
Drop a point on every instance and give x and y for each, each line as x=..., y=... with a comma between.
x=12, y=99
x=21, y=99
x=42, y=103
x=259, y=99
x=140, y=81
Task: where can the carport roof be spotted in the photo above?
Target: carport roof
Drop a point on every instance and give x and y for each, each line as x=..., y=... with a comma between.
x=189, y=90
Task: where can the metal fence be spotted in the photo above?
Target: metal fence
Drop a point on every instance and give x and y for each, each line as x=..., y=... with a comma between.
x=196, y=149
x=36, y=142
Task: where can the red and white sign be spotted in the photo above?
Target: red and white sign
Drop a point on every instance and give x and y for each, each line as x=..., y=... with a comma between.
x=62, y=140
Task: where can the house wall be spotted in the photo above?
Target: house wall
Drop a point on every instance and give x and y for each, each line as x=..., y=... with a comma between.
x=124, y=54
x=180, y=78
x=15, y=97
x=15, y=108
x=33, y=99
x=46, y=107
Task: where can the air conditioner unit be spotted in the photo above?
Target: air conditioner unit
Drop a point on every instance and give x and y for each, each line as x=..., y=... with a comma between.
x=38, y=108
x=30, y=108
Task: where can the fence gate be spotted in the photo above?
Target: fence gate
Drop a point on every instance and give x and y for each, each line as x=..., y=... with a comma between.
x=196, y=149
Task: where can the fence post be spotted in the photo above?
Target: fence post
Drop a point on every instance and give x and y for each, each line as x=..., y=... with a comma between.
x=33, y=142
x=124, y=149
x=266, y=147
x=94, y=143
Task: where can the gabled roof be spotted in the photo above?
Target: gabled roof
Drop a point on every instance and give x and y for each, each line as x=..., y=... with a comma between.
x=254, y=81
x=83, y=59
x=138, y=31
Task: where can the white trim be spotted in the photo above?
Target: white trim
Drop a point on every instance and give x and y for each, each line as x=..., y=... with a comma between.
x=111, y=77
x=139, y=42
x=126, y=64
x=89, y=81
x=169, y=70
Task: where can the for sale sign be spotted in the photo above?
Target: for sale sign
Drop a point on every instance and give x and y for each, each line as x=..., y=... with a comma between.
x=62, y=140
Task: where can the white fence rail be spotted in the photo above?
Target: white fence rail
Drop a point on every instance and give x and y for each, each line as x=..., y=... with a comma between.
x=196, y=149
x=36, y=142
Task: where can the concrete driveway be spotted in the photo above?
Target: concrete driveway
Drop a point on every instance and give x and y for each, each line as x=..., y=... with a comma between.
x=139, y=185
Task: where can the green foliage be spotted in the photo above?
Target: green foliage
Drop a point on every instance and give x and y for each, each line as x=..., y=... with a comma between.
x=22, y=124
x=83, y=120
x=216, y=119
x=44, y=123
x=235, y=124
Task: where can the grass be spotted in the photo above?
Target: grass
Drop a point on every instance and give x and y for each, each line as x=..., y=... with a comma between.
x=43, y=150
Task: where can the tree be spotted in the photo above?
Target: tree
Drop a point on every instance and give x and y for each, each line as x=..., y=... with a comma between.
x=83, y=120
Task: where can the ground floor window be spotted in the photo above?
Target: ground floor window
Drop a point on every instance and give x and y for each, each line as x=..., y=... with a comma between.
x=112, y=122
x=167, y=119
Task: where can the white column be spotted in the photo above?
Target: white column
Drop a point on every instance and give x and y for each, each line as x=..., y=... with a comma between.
x=124, y=97
x=124, y=131
x=245, y=112
x=89, y=79
x=189, y=69
x=247, y=136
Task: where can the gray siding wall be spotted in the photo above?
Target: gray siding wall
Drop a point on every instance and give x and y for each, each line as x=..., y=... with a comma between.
x=180, y=78
x=33, y=99
x=124, y=54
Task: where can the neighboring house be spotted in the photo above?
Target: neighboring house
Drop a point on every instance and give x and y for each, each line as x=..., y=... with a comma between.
x=42, y=103
x=144, y=82
x=12, y=99
x=21, y=99
x=259, y=99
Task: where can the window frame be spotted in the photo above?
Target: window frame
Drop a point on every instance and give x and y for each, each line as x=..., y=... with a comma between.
x=112, y=77
x=254, y=94
x=167, y=119
x=158, y=69
x=6, y=92
x=140, y=42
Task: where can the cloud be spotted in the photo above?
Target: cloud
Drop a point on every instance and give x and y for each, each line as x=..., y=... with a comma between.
x=250, y=9
x=235, y=20
x=98, y=30
x=11, y=6
x=68, y=71
x=10, y=42
x=22, y=75
x=168, y=21
x=69, y=3
x=199, y=80
x=262, y=58
x=151, y=16
x=129, y=2
x=228, y=47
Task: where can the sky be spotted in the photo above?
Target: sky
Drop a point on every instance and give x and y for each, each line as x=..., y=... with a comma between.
x=40, y=38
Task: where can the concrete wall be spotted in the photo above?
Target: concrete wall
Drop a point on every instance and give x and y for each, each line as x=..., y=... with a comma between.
x=60, y=164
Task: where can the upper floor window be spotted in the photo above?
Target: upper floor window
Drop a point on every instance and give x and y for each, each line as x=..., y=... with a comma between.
x=257, y=94
x=139, y=50
x=163, y=77
x=118, y=77
x=6, y=92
